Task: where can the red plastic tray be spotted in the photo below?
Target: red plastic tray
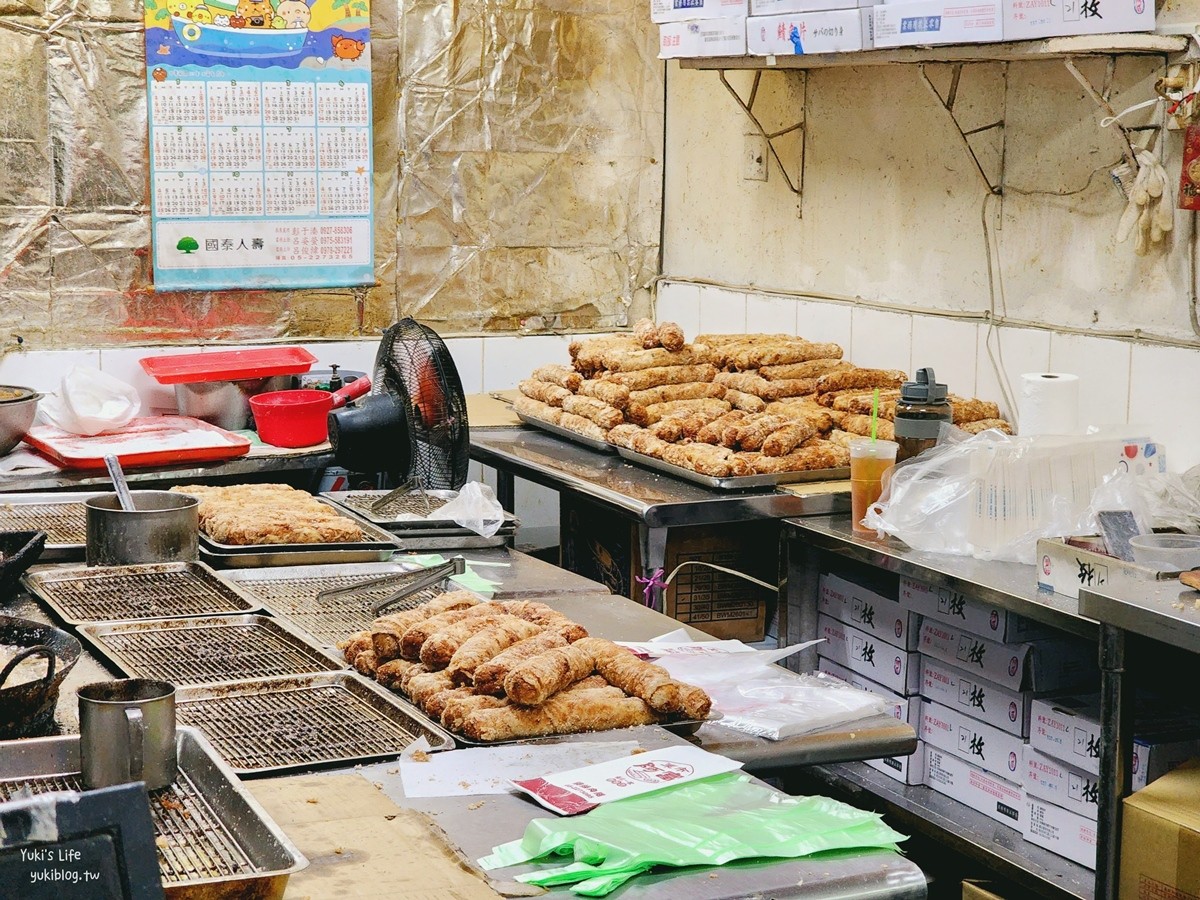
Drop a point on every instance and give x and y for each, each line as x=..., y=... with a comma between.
x=149, y=441
x=228, y=365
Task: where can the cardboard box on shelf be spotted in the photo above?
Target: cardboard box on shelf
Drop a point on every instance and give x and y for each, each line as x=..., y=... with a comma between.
x=971, y=615
x=1160, y=837
x=924, y=22
x=906, y=709
x=869, y=611
x=1061, y=831
x=1060, y=783
x=694, y=39
x=977, y=890
x=603, y=546
x=897, y=670
x=970, y=785
x=794, y=34
x=992, y=703
x=1050, y=665
x=904, y=769
x=1065, y=568
x=1026, y=20
x=971, y=740
x=1068, y=729
x=662, y=11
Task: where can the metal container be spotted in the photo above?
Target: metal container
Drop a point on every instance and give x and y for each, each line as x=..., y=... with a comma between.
x=214, y=840
x=163, y=528
x=61, y=515
x=18, y=405
x=226, y=404
x=127, y=733
x=27, y=709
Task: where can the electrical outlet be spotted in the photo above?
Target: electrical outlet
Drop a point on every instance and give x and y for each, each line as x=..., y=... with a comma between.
x=754, y=158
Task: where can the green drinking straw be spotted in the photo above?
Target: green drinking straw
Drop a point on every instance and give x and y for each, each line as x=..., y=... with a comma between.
x=874, y=414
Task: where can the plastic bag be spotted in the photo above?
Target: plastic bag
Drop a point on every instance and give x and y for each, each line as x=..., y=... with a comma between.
x=709, y=822
x=476, y=508
x=89, y=402
x=756, y=697
x=992, y=496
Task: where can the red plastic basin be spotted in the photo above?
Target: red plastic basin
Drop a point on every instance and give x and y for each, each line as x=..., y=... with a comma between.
x=292, y=418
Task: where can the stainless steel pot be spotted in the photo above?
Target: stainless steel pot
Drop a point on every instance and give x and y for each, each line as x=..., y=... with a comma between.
x=18, y=406
x=226, y=404
x=163, y=528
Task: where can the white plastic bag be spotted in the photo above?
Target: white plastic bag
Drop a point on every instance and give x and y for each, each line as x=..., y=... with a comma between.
x=756, y=697
x=476, y=508
x=89, y=402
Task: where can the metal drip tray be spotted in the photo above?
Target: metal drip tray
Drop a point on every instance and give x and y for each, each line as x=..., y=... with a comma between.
x=291, y=593
x=154, y=591
x=413, y=503
x=62, y=516
x=200, y=651
x=213, y=839
x=283, y=724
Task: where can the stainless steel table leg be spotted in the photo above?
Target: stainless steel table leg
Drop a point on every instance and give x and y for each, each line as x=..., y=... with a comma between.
x=506, y=491
x=804, y=572
x=1116, y=758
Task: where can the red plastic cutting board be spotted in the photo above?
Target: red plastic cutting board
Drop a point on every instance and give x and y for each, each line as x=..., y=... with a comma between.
x=148, y=441
x=228, y=365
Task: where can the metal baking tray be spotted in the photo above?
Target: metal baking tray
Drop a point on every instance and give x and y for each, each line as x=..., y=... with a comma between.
x=374, y=539
x=359, y=503
x=294, y=558
x=61, y=515
x=291, y=592
x=567, y=434
x=271, y=725
x=214, y=840
x=207, y=650
x=151, y=591
x=733, y=482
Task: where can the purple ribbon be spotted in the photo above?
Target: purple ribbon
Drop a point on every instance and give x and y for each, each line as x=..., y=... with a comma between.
x=654, y=581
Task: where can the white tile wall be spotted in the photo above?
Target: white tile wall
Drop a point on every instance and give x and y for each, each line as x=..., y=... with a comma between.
x=950, y=346
x=680, y=303
x=818, y=321
x=1158, y=378
x=506, y=360
x=468, y=359
x=770, y=314
x=722, y=311
x=881, y=340
x=1020, y=350
x=1103, y=368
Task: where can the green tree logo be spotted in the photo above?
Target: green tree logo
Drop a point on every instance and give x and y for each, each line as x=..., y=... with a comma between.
x=187, y=245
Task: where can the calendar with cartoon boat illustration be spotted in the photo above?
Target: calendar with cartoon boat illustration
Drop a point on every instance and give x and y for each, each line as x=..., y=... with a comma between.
x=260, y=143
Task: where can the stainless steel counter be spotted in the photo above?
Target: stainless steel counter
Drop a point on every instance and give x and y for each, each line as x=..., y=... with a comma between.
x=658, y=501
x=1162, y=610
x=305, y=465
x=478, y=827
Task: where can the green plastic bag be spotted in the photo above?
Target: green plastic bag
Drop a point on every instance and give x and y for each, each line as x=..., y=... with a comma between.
x=709, y=822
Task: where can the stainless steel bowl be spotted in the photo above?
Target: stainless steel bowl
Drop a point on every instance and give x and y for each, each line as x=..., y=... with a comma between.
x=18, y=406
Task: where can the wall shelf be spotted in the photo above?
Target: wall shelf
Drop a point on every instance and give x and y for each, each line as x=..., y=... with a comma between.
x=1012, y=51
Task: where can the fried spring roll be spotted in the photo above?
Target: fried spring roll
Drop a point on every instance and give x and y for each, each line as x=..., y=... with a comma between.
x=532, y=681
x=644, y=379
x=563, y=376
x=654, y=684
x=615, y=395
x=593, y=709
x=481, y=647
x=689, y=390
x=550, y=394
x=670, y=336
x=489, y=677
x=595, y=410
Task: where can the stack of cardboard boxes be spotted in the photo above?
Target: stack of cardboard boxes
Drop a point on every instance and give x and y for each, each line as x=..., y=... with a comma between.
x=964, y=675
x=709, y=28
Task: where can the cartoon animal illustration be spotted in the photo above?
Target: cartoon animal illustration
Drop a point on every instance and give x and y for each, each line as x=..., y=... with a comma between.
x=346, y=47
x=159, y=75
x=236, y=21
x=202, y=14
x=278, y=22
x=220, y=19
x=294, y=12
x=257, y=13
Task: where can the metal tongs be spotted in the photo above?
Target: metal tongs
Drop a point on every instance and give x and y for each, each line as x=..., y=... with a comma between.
x=408, y=583
x=415, y=483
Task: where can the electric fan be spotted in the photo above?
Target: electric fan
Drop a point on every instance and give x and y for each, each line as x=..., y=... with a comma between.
x=413, y=424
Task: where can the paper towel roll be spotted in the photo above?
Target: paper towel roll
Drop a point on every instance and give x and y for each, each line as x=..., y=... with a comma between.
x=1048, y=403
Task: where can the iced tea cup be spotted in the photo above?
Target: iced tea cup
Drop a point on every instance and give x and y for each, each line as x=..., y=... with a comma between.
x=870, y=461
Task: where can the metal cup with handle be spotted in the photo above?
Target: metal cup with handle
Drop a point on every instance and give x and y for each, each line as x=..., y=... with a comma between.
x=127, y=733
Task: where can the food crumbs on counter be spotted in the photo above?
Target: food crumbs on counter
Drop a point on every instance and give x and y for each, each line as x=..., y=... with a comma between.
x=161, y=842
x=168, y=802
x=378, y=785
x=393, y=771
x=464, y=785
x=312, y=800
x=418, y=756
x=713, y=875
x=338, y=851
x=476, y=804
x=389, y=818
x=852, y=735
x=636, y=750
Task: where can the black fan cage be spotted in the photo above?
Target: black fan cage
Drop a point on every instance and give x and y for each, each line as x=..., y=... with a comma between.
x=414, y=365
